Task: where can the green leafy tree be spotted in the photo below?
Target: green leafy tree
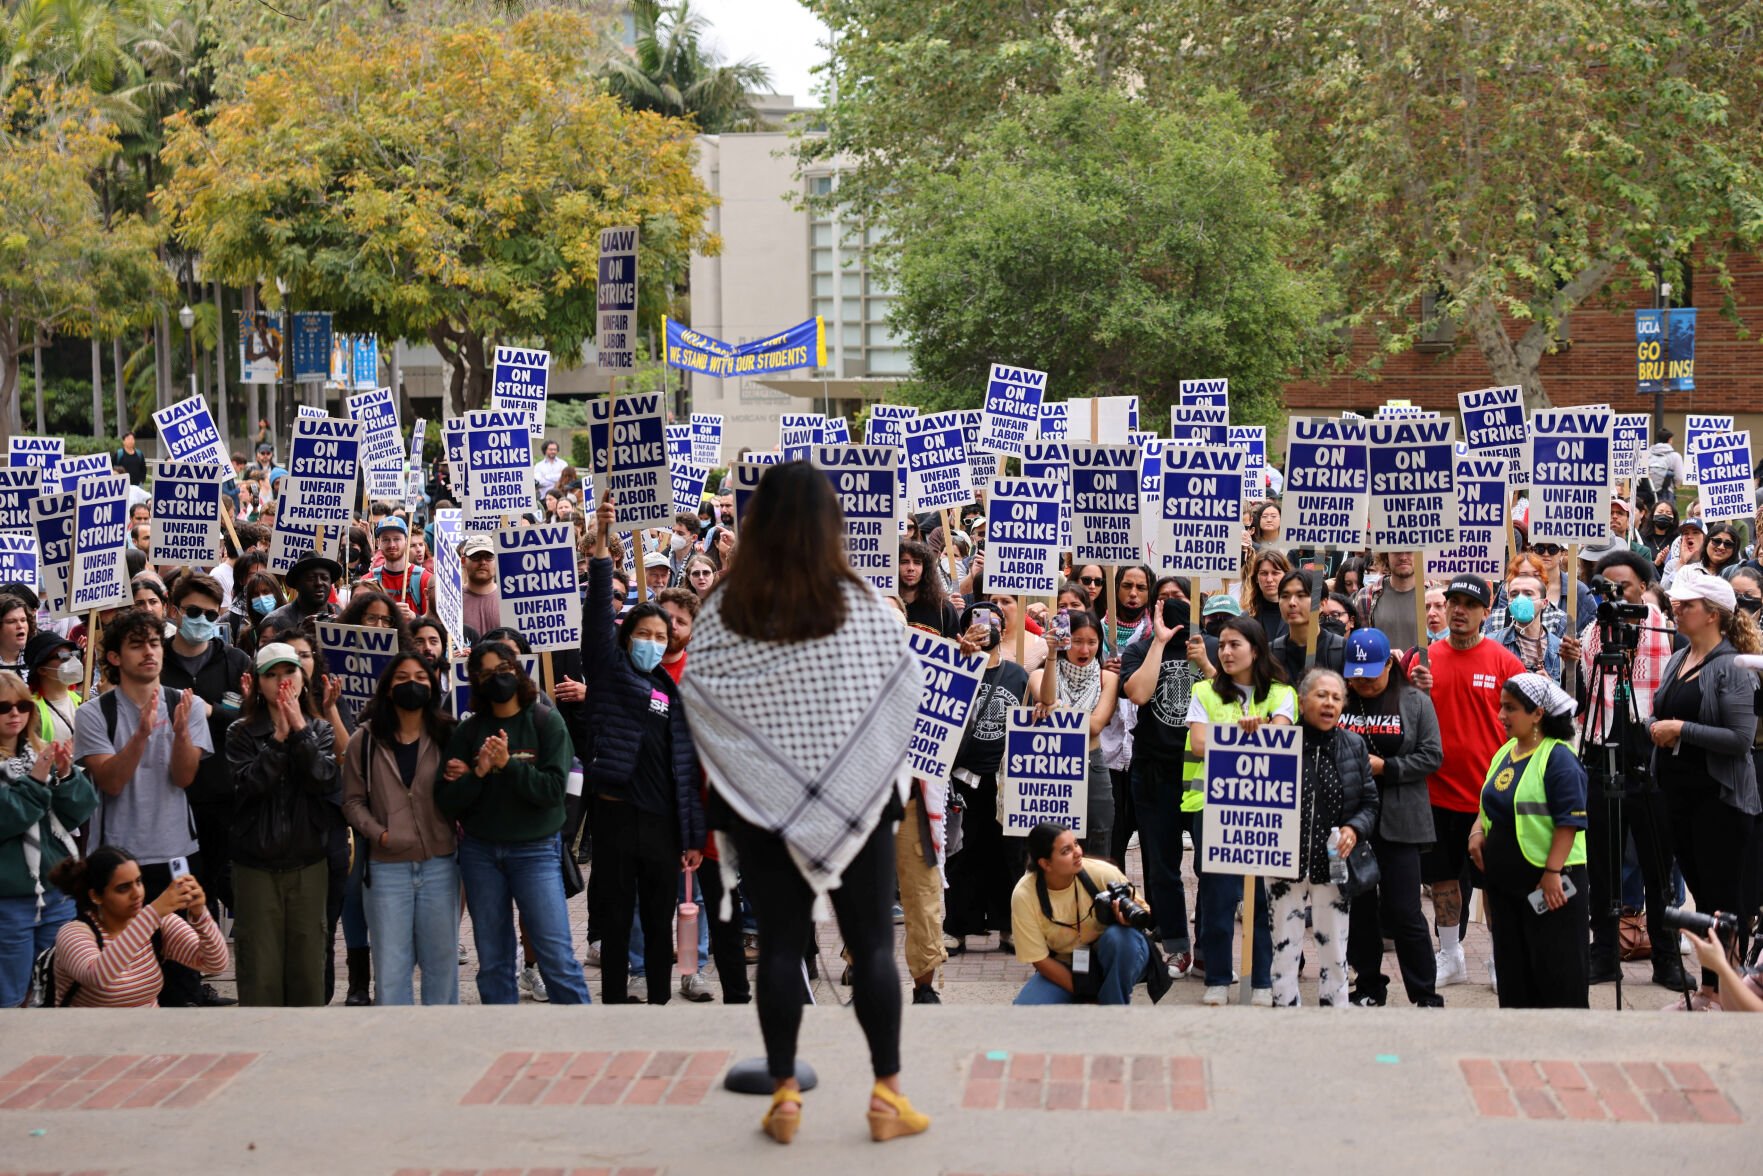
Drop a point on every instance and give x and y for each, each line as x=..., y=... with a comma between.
x=672, y=72
x=1115, y=247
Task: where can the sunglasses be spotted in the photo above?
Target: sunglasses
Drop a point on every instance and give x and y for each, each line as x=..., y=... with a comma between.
x=1547, y=549
x=210, y=614
x=1721, y=542
x=1092, y=581
x=482, y=555
x=8, y=706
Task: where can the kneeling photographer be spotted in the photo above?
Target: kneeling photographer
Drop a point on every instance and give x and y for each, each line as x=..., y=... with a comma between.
x=1712, y=937
x=1078, y=925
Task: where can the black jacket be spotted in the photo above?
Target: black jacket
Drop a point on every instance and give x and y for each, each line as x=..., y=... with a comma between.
x=290, y=795
x=618, y=705
x=219, y=674
x=1331, y=654
x=1359, y=799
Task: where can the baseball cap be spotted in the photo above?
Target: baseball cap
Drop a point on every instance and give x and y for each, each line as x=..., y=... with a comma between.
x=1221, y=604
x=276, y=653
x=476, y=545
x=1695, y=584
x=1473, y=587
x=1694, y=522
x=265, y=447
x=1368, y=651
x=656, y=559
x=391, y=523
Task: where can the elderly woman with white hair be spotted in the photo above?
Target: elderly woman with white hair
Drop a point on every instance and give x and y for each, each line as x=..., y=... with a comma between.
x=1530, y=844
x=1339, y=796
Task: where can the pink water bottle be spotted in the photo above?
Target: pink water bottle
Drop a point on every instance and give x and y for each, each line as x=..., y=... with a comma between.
x=685, y=943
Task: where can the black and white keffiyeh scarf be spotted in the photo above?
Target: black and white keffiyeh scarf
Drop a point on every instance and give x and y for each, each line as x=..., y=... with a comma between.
x=803, y=739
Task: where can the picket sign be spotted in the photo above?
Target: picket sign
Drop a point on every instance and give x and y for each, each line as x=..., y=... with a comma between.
x=863, y=478
x=951, y=682
x=1044, y=775
x=1253, y=813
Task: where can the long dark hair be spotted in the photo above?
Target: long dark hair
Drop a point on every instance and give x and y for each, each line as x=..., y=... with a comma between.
x=526, y=691
x=381, y=713
x=78, y=877
x=788, y=582
x=931, y=593
x=1040, y=843
x=1263, y=671
x=364, y=598
x=1737, y=555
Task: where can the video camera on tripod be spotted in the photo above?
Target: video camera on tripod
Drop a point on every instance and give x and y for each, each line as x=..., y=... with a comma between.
x=1619, y=622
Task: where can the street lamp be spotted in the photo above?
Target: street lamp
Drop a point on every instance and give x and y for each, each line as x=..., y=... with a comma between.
x=187, y=319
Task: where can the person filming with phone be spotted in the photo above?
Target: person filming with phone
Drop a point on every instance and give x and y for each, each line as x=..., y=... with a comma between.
x=1529, y=842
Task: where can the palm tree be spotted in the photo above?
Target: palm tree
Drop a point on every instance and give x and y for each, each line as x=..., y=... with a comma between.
x=671, y=72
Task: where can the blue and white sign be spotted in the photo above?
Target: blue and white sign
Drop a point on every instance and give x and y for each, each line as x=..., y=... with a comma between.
x=1413, y=484
x=634, y=470
x=615, y=299
x=1045, y=774
x=43, y=453
x=1055, y=421
x=366, y=363
x=453, y=445
x=356, y=656
x=1200, y=533
x=679, y=442
x=1723, y=472
x=1628, y=443
x=521, y=379
x=186, y=430
x=743, y=483
x=838, y=431
x=799, y=432
x=863, y=477
x=100, y=573
x=71, y=471
x=951, y=679
x=1328, y=483
x=459, y=692
x=1493, y=426
x=450, y=574
x=52, y=524
x=1254, y=801
x=1107, y=525
x=1481, y=518
x=1115, y=419
x=382, y=442
x=498, y=448
x=1570, y=476
x=1199, y=425
x=1050, y=461
x=536, y=574
x=937, y=471
x=707, y=438
x=887, y=424
x=1204, y=393
x=1012, y=413
x=1252, y=440
x=984, y=465
x=687, y=478
x=1151, y=495
x=18, y=489
x=324, y=459
x=184, y=528
x=1022, y=536
x=312, y=346
x=18, y=560
x=1695, y=426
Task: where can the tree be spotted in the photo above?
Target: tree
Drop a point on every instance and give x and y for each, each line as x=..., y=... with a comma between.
x=1513, y=158
x=670, y=72
x=1115, y=247
x=444, y=181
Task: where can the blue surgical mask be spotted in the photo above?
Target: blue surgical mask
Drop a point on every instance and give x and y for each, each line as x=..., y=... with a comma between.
x=1522, y=609
x=646, y=655
x=263, y=605
x=199, y=630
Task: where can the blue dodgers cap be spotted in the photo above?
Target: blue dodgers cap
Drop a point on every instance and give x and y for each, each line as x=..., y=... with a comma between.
x=391, y=523
x=1368, y=650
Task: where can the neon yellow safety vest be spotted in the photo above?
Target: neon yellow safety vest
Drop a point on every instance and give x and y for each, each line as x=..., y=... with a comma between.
x=1530, y=804
x=1193, y=769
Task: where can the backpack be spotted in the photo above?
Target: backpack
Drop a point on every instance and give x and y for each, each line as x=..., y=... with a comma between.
x=42, y=994
x=1659, y=473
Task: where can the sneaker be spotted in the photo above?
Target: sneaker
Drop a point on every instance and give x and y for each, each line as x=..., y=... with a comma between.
x=1492, y=982
x=1187, y=841
x=534, y=984
x=925, y=995
x=462, y=958
x=899, y=914
x=1366, y=1000
x=696, y=988
x=1451, y=968
x=1216, y=995
x=591, y=957
x=1261, y=998
x=1180, y=964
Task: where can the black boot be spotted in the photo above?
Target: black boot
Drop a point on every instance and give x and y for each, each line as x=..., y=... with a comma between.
x=360, y=976
x=1668, y=971
x=1605, y=967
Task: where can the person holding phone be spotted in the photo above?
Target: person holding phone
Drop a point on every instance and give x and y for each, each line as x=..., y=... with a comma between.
x=1529, y=843
x=1075, y=678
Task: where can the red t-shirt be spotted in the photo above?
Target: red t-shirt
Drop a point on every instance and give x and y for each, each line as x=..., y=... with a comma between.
x=1466, y=694
x=675, y=669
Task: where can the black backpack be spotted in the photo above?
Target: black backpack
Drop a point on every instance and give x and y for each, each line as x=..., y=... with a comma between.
x=42, y=993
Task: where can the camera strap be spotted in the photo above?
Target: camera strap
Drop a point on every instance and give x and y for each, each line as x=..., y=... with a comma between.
x=1047, y=901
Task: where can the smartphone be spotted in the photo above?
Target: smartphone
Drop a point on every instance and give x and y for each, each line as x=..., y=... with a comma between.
x=1540, y=905
x=180, y=867
x=989, y=619
x=1062, y=626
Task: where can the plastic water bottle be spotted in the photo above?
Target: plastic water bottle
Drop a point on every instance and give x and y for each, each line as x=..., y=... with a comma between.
x=1337, y=865
x=686, y=933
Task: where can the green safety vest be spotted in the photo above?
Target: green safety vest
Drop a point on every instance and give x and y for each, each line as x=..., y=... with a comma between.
x=1193, y=769
x=1530, y=806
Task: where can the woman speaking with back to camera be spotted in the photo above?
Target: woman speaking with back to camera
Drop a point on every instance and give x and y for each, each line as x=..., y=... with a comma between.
x=802, y=692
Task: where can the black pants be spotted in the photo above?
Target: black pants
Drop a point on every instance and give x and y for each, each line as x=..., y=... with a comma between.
x=1393, y=906
x=212, y=830
x=1126, y=817
x=1711, y=838
x=338, y=878
x=983, y=875
x=637, y=862
x=725, y=938
x=1542, y=960
x=1644, y=817
x=1157, y=793
x=183, y=986
x=783, y=904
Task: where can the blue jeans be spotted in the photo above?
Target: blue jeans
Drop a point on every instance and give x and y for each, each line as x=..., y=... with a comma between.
x=354, y=910
x=1219, y=894
x=1121, y=954
x=412, y=913
x=498, y=876
x=24, y=935
x=636, y=951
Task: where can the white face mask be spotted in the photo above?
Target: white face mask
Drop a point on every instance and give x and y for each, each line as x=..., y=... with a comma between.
x=678, y=542
x=70, y=670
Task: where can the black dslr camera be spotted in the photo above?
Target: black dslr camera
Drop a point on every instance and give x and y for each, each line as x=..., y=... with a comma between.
x=1133, y=913
x=1722, y=923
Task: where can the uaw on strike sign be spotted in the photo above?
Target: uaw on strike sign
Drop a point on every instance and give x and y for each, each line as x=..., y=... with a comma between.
x=1254, y=795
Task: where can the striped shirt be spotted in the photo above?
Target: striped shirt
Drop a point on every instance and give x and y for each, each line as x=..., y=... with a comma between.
x=124, y=973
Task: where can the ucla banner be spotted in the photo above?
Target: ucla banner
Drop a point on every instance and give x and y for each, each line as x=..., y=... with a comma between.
x=803, y=345
x=1665, y=350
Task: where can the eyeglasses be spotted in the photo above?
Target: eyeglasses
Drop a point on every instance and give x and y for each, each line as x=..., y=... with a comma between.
x=1092, y=581
x=8, y=706
x=1722, y=541
x=482, y=555
x=208, y=614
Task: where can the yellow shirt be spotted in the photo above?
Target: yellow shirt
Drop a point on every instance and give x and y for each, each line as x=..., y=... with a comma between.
x=1036, y=937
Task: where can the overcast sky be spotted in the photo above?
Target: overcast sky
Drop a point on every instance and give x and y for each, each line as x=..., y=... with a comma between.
x=781, y=34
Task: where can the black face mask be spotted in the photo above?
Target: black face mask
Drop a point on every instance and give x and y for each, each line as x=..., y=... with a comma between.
x=411, y=696
x=501, y=686
x=1214, y=625
x=1333, y=624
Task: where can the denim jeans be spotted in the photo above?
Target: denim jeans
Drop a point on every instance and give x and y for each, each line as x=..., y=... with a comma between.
x=499, y=876
x=636, y=951
x=24, y=935
x=1219, y=895
x=1121, y=954
x=413, y=917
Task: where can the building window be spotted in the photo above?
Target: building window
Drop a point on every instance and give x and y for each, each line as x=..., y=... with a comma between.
x=1437, y=333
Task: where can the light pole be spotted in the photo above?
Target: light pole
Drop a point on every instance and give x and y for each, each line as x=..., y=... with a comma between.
x=1665, y=354
x=187, y=320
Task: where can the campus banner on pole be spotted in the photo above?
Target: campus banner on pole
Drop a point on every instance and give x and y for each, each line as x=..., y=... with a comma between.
x=52, y=523
x=536, y=574
x=18, y=489
x=1045, y=773
x=260, y=352
x=615, y=301
x=1413, y=484
x=863, y=478
x=521, y=379
x=311, y=346
x=1327, y=501
x=707, y=438
x=1200, y=530
x=1254, y=801
x=187, y=431
x=498, y=448
x=1012, y=413
x=100, y=574
x=1481, y=519
x=357, y=656
x=1570, y=476
x=1022, y=537
x=450, y=573
x=1107, y=525
x=1204, y=393
x=184, y=528
x=937, y=471
x=18, y=560
x=951, y=680
x=1665, y=350
x=637, y=476
x=324, y=459
x=1695, y=425
x=1728, y=489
